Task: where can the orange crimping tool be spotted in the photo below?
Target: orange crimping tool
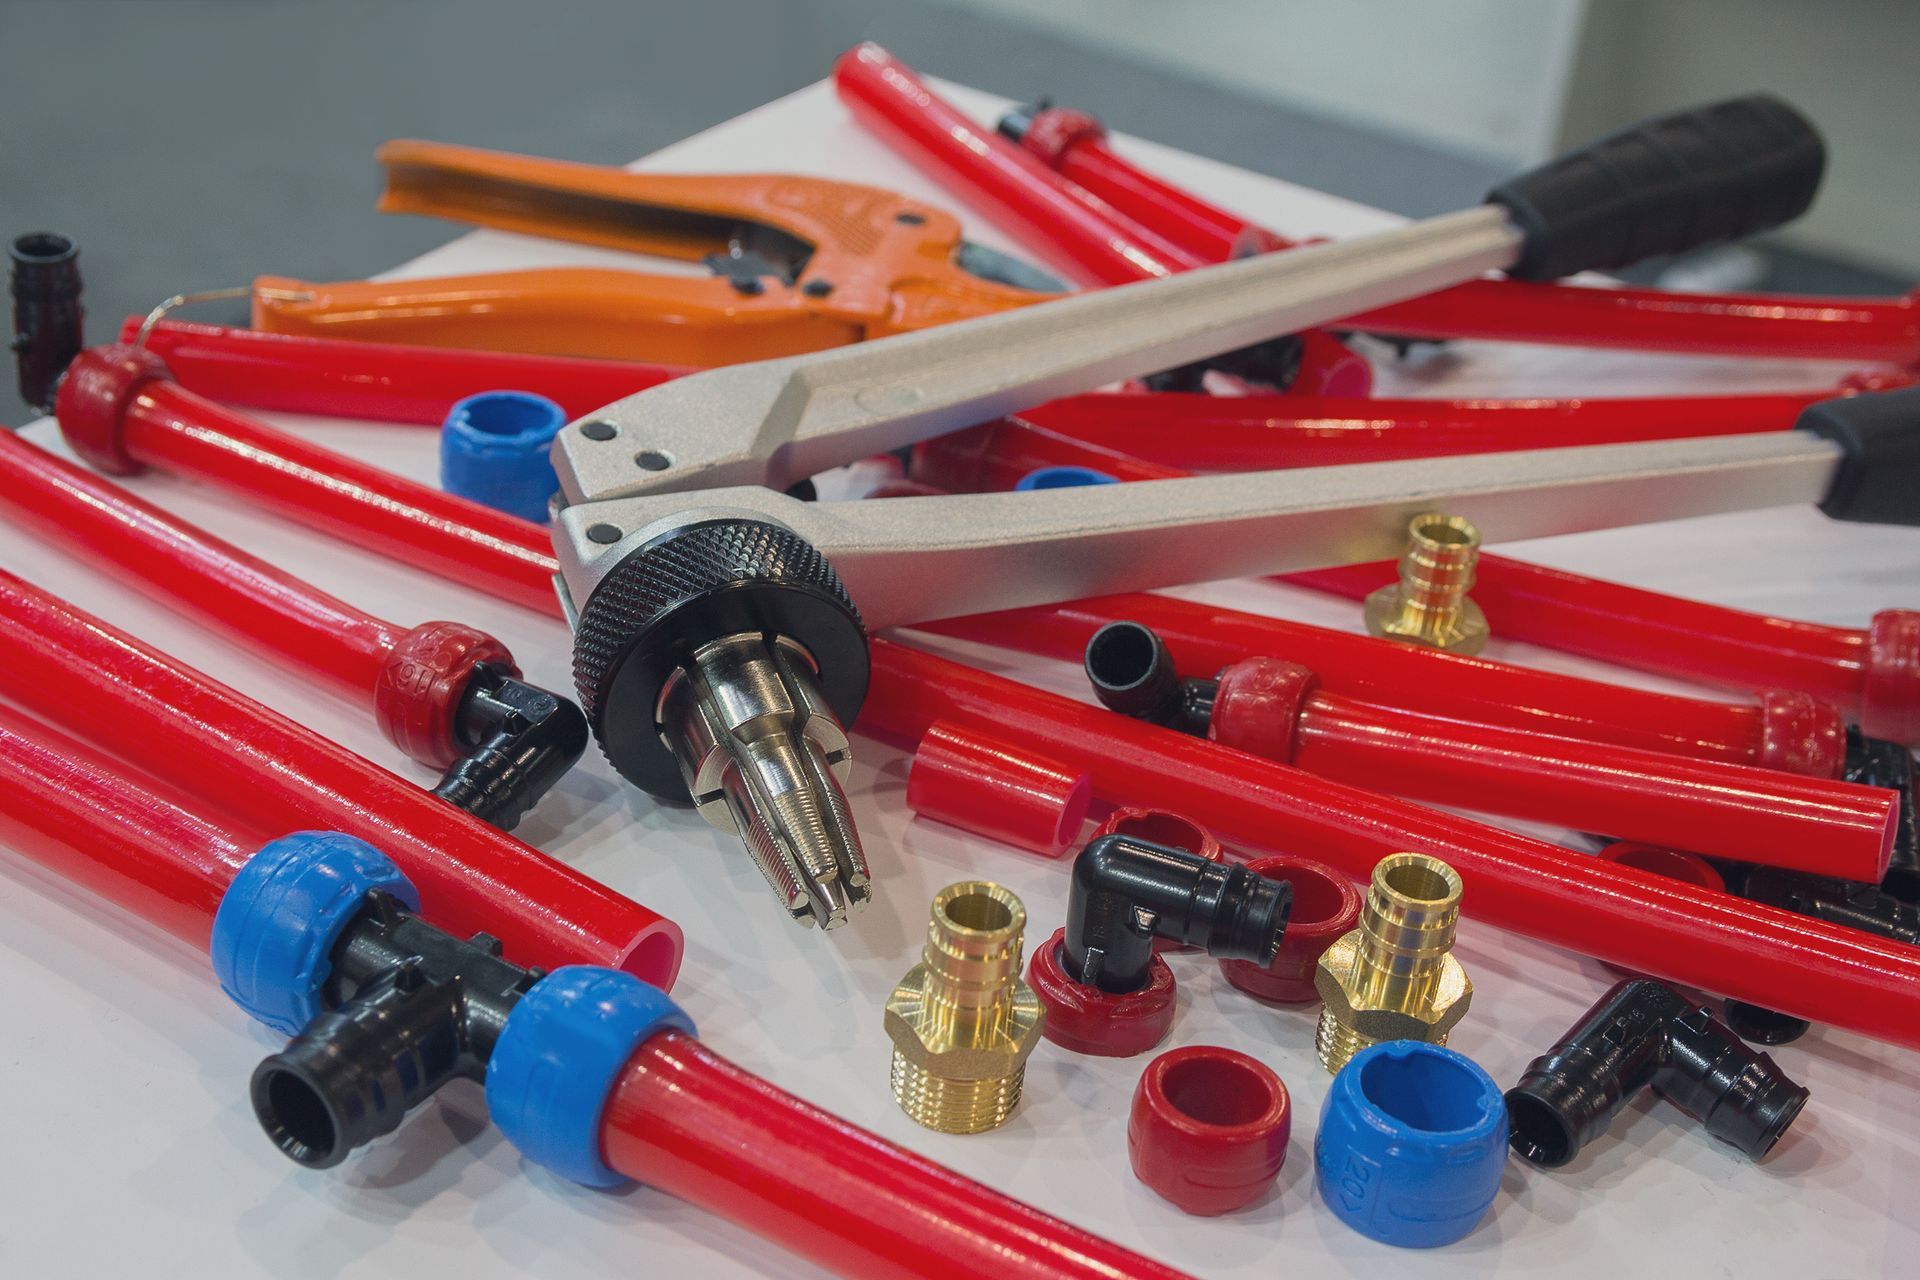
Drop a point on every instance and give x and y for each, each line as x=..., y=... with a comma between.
x=796, y=264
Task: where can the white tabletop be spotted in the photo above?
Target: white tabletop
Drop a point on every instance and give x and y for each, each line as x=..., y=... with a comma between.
x=129, y=1147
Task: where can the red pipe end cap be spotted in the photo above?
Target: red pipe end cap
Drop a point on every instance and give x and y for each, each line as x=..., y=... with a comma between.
x=1170, y=830
x=997, y=789
x=1890, y=691
x=1326, y=905
x=1801, y=734
x=1209, y=1128
x=93, y=399
x=1098, y=1023
x=1257, y=706
x=1056, y=130
x=416, y=700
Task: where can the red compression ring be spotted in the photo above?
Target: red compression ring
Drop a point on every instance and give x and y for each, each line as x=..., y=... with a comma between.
x=1890, y=688
x=1801, y=734
x=1209, y=1127
x=416, y=700
x=1257, y=707
x=1087, y=1020
x=998, y=790
x=95, y=394
x=1325, y=906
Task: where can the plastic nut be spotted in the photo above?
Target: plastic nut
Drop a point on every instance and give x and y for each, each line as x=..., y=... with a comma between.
x=1208, y=1129
x=1085, y=1019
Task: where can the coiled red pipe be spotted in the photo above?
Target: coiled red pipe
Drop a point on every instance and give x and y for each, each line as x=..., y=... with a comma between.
x=180, y=726
x=1674, y=930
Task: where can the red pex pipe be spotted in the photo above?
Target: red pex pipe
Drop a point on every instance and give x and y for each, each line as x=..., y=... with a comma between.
x=121, y=411
x=681, y=1119
x=1073, y=147
x=1677, y=931
x=184, y=728
x=377, y=381
x=1787, y=731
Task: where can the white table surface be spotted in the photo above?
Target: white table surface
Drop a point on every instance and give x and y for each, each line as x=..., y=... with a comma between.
x=127, y=1146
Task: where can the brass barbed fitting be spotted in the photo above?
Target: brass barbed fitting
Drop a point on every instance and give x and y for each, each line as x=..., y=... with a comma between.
x=962, y=1022
x=1394, y=977
x=1429, y=605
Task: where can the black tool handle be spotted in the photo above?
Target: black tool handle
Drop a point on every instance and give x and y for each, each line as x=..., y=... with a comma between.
x=1665, y=185
x=1879, y=434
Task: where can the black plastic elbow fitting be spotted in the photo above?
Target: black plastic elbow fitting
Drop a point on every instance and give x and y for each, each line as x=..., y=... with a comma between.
x=1127, y=892
x=44, y=274
x=1644, y=1033
x=519, y=741
x=408, y=1009
x=1132, y=673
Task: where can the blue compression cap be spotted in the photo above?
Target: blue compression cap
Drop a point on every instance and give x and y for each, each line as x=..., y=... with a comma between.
x=275, y=929
x=558, y=1057
x=1061, y=478
x=1412, y=1141
x=494, y=450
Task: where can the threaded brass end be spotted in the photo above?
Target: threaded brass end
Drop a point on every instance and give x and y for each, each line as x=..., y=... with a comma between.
x=1394, y=977
x=1429, y=605
x=962, y=1022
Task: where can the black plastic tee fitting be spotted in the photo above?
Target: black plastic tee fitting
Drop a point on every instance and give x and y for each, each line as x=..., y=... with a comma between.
x=408, y=1009
x=44, y=276
x=519, y=740
x=1132, y=673
x=1127, y=892
x=1645, y=1033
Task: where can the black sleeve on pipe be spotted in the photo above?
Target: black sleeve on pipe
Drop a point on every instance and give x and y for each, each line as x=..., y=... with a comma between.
x=1666, y=185
x=1879, y=433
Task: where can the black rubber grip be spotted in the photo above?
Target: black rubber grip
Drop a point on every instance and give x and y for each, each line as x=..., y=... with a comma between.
x=1676, y=182
x=1879, y=479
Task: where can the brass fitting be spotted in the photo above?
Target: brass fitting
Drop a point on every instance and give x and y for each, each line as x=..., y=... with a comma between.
x=1393, y=978
x=1429, y=605
x=962, y=1022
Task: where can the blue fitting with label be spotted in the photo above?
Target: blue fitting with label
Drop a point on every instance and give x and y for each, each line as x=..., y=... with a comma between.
x=1412, y=1141
x=1061, y=478
x=495, y=449
x=558, y=1058
x=276, y=925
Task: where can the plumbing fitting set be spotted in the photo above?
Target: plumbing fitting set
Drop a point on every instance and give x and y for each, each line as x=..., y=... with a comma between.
x=725, y=640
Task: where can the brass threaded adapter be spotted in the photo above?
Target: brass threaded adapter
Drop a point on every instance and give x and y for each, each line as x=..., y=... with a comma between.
x=962, y=1022
x=1429, y=605
x=1394, y=977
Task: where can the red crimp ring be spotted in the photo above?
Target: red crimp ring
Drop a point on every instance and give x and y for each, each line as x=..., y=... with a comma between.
x=1325, y=905
x=1801, y=734
x=1084, y=1019
x=92, y=402
x=997, y=789
x=1169, y=830
x=1257, y=707
x=1890, y=691
x=1054, y=131
x=1208, y=1129
x=1670, y=864
x=417, y=696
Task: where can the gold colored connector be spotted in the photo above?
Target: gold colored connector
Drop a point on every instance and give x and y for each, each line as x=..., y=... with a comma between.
x=1394, y=978
x=962, y=1022
x=1429, y=605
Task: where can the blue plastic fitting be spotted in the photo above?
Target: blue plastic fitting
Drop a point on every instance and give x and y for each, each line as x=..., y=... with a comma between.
x=1412, y=1141
x=558, y=1058
x=276, y=925
x=494, y=450
x=1061, y=478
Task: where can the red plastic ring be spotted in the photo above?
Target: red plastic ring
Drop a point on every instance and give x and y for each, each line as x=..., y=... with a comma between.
x=1673, y=864
x=416, y=700
x=1087, y=1020
x=1890, y=688
x=1209, y=1127
x=92, y=402
x=1257, y=706
x=1326, y=905
x=997, y=789
x=1053, y=131
x=1801, y=734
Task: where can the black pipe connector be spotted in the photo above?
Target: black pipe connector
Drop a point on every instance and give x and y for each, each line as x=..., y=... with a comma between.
x=408, y=1009
x=1274, y=363
x=44, y=274
x=1127, y=892
x=1132, y=673
x=1644, y=1033
x=1876, y=762
x=519, y=741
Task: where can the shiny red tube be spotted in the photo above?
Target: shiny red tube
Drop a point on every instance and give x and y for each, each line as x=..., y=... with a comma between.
x=1681, y=932
x=377, y=381
x=980, y=784
x=186, y=729
x=121, y=412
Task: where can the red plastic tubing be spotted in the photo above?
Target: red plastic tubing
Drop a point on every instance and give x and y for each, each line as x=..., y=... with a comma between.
x=1677, y=931
x=188, y=730
x=681, y=1119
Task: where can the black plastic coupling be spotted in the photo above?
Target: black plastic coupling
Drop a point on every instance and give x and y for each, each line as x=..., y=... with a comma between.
x=519, y=740
x=1133, y=673
x=1844, y=902
x=408, y=1009
x=1014, y=124
x=1127, y=892
x=1876, y=762
x=1273, y=363
x=1644, y=1033
x=44, y=275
